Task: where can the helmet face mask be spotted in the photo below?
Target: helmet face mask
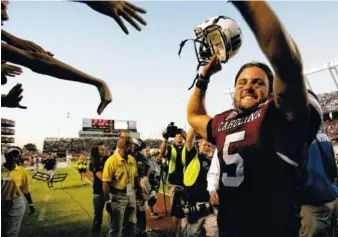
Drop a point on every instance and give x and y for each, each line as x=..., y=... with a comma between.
x=219, y=35
x=209, y=42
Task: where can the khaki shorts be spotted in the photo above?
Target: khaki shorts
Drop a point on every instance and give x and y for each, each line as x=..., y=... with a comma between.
x=208, y=223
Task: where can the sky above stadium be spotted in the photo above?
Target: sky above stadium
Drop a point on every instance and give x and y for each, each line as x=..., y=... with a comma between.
x=149, y=82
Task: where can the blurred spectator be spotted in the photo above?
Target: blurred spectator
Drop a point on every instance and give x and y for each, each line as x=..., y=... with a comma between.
x=329, y=101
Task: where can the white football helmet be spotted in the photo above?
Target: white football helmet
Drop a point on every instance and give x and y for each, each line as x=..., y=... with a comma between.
x=219, y=35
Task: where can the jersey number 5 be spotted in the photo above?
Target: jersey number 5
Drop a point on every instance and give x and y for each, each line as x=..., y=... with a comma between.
x=234, y=173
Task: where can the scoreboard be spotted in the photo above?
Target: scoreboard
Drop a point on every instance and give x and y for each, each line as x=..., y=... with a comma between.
x=107, y=125
x=102, y=123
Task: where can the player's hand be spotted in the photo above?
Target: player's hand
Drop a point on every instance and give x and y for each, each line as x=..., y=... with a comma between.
x=108, y=208
x=13, y=98
x=212, y=67
x=10, y=70
x=105, y=95
x=214, y=201
x=28, y=46
x=118, y=9
x=31, y=210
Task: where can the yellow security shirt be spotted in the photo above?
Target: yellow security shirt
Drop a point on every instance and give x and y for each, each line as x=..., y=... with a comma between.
x=119, y=171
x=14, y=183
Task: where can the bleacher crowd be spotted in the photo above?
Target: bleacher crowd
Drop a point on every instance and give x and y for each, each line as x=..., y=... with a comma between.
x=77, y=146
x=329, y=101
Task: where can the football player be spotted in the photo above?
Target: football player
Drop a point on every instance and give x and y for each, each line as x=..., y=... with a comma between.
x=261, y=142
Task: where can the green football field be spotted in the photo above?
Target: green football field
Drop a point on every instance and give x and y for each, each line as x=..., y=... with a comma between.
x=65, y=211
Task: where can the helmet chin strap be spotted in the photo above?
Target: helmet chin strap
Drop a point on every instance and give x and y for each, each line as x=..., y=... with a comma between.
x=199, y=62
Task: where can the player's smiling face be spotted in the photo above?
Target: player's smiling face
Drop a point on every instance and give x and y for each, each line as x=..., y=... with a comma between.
x=251, y=88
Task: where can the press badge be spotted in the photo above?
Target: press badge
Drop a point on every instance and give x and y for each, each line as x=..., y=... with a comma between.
x=129, y=190
x=6, y=178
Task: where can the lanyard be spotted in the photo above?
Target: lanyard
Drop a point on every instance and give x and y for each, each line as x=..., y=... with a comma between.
x=126, y=165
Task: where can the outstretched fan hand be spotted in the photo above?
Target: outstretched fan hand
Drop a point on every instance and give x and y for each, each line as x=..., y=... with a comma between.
x=13, y=98
x=118, y=9
x=105, y=96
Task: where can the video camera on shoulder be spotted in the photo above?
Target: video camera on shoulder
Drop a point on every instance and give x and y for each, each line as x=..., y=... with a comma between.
x=172, y=130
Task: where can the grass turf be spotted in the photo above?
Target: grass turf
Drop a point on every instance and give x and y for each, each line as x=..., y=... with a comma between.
x=65, y=211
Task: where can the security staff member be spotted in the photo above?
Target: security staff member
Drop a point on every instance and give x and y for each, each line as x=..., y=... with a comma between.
x=175, y=174
x=196, y=166
x=14, y=186
x=120, y=178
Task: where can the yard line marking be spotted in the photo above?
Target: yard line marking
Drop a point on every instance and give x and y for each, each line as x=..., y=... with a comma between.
x=42, y=214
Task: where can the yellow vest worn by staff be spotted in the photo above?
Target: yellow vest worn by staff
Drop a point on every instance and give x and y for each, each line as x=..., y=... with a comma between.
x=172, y=161
x=191, y=172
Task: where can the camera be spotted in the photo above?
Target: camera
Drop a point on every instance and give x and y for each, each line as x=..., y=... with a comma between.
x=172, y=130
x=193, y=212
x=139, y=145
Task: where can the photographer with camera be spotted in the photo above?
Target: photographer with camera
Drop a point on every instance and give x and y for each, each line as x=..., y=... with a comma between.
x=154, y=181
x=199, y=213
x=173, y=153
x=143, y=190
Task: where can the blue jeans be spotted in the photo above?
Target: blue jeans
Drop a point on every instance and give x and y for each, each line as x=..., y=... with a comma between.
x=12, y=214
x=99, y=202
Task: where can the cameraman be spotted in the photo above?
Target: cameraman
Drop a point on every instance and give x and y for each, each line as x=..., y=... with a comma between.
x=173, y=153
x=198, y=209
x=154, y=180
x=143, y=190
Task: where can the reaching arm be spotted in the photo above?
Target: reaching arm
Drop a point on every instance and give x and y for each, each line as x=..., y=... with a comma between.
x=44, y=64
x=5, y=36
x=189, y=142
x=164, y=148
x=289, y=87
x=22, y=44
x=196, y=111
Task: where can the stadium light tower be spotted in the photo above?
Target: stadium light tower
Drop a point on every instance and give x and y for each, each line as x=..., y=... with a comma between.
x=231, y=92
x=331, y=66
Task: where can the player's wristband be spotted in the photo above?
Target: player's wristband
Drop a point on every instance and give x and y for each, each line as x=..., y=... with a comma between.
x=202, y=82
x=109, y=201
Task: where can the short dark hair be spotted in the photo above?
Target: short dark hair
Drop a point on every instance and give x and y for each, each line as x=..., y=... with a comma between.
x=13, y=151
x=260, y=65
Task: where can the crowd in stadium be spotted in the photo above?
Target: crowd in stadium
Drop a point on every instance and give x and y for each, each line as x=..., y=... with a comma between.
x=77, y=146
x=329, y=101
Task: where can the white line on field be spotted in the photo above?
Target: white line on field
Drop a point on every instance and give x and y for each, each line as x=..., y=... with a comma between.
x=42, y=214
